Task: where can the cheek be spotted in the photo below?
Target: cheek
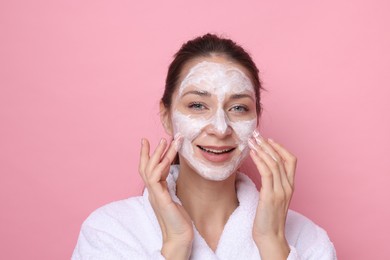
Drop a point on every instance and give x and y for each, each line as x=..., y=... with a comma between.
x=244, y=129
x=188, y=127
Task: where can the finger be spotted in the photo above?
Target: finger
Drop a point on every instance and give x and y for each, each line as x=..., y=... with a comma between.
x=290, y=160
x=265, y=172
x=174, y=147
x=267, y=147
x=169, y=156
x=161, y=171
x=275, y=165
x=144, y=157
x=284, y=181
x=281, y=174
x=156, y=157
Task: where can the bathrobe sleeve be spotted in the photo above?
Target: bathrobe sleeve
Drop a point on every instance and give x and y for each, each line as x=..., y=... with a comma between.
x=98, y=244
x=312, y=242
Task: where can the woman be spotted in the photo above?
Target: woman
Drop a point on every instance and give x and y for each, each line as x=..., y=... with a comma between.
x=202, y=207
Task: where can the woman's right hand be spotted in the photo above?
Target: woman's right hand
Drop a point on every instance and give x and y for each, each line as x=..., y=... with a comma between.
x=175, y=223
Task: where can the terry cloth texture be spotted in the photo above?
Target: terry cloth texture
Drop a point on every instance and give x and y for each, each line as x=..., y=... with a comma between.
x=128, y=229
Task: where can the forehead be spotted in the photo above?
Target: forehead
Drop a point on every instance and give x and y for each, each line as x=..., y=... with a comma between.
x=216, y=76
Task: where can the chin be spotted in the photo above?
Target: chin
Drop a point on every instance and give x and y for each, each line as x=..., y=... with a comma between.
x=215, y=171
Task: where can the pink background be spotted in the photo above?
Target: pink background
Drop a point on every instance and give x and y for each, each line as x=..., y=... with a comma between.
x=80, y=83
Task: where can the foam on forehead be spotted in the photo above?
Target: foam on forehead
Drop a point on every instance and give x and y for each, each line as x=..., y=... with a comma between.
x=217, y=78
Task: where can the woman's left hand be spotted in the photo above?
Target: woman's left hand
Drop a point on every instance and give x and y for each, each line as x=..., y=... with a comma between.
x=277, y=169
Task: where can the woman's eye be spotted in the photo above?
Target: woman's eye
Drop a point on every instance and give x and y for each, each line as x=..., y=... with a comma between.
x=197, y=106
x=239, y=109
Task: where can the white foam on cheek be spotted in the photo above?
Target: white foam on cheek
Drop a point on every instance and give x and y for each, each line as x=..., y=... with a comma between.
x=245, y=130
x=217, y=79
x=188, y=127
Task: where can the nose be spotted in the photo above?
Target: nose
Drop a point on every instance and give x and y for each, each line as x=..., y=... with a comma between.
x=219, y=124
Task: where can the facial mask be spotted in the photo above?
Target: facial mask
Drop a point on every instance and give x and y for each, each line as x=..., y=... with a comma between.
x=219, y=80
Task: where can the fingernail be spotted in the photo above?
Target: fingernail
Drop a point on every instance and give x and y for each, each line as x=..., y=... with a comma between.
x=162, y=140
x=259, y=139
x=177, y=136
x=256, y=133
x=269, y=139
x=178, y=140
x=273, y=157
x=251, y=144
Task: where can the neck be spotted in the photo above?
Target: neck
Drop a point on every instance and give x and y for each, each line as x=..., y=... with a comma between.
x=209, y=203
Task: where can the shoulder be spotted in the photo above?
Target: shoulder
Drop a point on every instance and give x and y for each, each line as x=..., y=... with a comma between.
x=296, y=222
x=308, y=237
x=117, y=231
x=119, y=211
x=121, y=218
x=298, y=225
x=133, y=215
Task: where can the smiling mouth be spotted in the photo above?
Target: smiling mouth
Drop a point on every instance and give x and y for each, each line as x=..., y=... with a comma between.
x=215, y=151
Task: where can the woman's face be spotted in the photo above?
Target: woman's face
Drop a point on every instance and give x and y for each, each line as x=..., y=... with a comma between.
x=214, y=110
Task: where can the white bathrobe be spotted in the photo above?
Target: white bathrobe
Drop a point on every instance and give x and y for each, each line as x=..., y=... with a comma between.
x=128, y=229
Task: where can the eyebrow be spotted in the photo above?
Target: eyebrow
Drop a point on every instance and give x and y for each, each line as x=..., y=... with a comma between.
x=238, y=96
x=198, y=92
x=207, y=94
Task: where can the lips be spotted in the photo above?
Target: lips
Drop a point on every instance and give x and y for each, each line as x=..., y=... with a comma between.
x=216, y=150
x=216, y=154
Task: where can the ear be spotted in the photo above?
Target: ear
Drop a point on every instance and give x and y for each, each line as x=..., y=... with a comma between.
x=165, y=118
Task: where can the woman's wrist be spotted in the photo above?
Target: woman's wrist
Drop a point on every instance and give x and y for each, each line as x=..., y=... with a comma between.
x=176, y=250
x=273, y=247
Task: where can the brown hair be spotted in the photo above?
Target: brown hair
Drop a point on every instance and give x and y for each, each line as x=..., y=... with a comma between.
x=206, y=46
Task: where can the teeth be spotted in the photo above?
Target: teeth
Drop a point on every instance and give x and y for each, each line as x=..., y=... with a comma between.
x=216, y=151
